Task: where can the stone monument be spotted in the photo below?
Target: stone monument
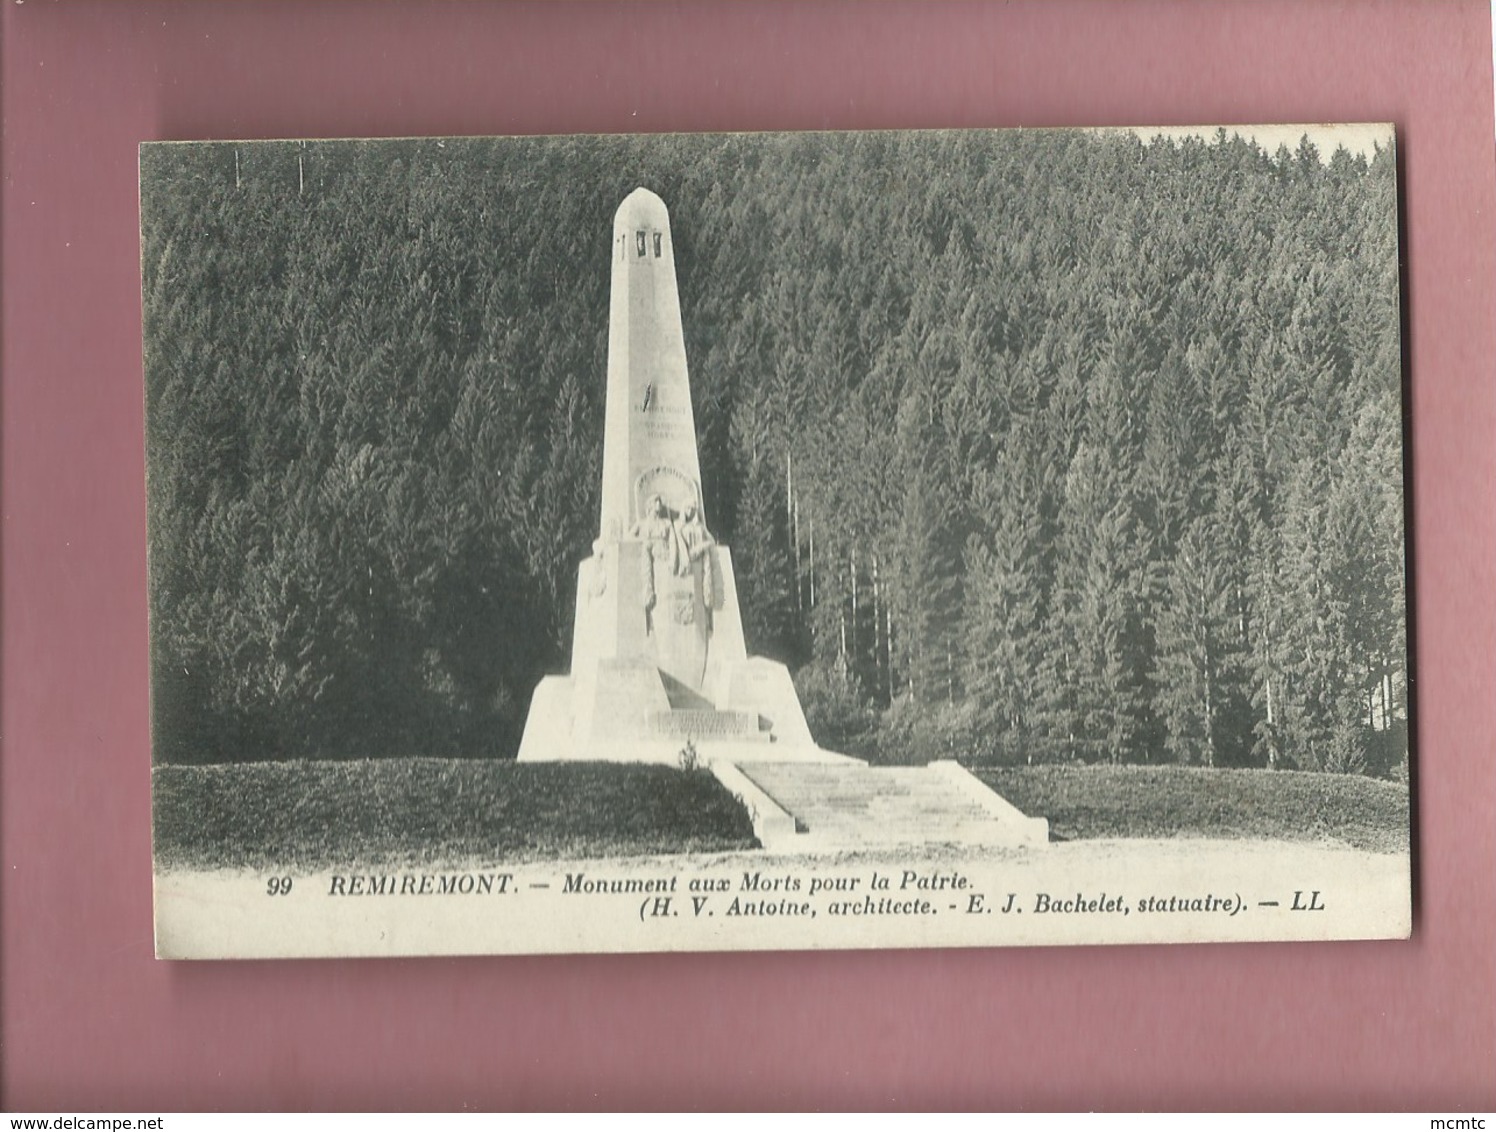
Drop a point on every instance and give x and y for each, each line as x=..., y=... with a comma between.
x=659, y=670
x=658, y=658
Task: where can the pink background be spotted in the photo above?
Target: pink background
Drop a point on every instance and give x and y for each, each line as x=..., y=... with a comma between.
x=90, y=1019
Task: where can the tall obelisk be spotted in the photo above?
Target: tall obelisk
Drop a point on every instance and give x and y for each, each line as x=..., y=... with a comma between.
x=658, y=657
x=649, y=421
x=651, y=473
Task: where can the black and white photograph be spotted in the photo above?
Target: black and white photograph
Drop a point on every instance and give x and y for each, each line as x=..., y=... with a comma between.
x=695, y=542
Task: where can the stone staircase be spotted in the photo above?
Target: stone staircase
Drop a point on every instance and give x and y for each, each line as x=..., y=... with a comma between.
x=805, y=806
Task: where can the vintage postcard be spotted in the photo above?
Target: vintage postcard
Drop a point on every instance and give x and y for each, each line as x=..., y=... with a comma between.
x=701, y=542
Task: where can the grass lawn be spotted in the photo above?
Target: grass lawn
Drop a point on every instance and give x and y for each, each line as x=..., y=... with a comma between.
x=1129, y=801
x=414, y=812
x=426, y=811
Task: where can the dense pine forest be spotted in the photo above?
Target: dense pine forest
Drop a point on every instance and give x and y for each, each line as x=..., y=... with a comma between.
x=1031, y=447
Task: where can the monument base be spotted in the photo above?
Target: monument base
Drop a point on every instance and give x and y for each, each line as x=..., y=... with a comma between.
x=754, y=739
x=623, y=711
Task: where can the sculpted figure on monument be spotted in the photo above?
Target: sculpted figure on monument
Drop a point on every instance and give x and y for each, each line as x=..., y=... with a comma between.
x=662, y=545
x=599, y=569
x=698, y=542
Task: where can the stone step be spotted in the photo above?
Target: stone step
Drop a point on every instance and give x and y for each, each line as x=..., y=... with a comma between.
x=852, y=805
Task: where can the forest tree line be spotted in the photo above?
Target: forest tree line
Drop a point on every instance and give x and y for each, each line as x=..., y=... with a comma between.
x=1031, y=447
